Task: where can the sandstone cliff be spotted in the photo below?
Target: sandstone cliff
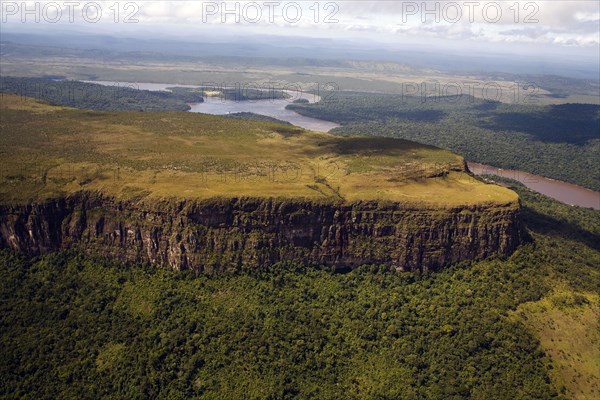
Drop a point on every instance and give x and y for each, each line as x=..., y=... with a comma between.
x=220, y=234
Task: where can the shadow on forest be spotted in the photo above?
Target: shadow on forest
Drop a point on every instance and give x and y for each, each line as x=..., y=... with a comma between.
x=547, y=225
x=565, y=123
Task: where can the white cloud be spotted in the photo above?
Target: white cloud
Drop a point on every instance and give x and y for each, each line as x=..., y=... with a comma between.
x=573, y=23
x=559, y=22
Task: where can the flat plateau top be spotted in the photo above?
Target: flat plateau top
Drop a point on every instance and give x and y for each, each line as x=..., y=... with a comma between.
x=48, y=151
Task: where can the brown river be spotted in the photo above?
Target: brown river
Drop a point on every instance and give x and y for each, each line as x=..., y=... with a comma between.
x=561, y=191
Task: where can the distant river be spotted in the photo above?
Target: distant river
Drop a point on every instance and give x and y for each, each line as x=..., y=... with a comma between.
x=274, y=108
x=561, y=191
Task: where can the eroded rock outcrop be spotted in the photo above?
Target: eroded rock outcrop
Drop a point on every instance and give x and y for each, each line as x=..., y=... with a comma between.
x=220, y=234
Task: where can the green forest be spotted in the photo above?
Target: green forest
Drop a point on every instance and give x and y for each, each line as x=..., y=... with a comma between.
x=124, y=96
x=99, y=97
x=75, y=327
x=560, y=141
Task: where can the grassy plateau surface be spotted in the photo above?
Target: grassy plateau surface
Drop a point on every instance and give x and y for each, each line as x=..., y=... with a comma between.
x=50, y=151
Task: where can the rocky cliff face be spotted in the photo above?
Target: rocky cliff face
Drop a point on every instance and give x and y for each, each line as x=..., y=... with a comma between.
x=225, y=234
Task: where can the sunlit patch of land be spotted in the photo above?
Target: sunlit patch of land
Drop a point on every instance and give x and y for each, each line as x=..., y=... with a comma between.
x=50, y=151
x=213, y=93
x=567, y=325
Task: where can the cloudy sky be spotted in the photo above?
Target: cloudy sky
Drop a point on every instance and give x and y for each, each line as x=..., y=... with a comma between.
x=574, y=24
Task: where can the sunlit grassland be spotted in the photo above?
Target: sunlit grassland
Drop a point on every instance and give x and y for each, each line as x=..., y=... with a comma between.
x=53, y=151
x=566, y=322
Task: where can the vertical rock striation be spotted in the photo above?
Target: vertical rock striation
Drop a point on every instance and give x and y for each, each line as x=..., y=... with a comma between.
x=221, y=234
